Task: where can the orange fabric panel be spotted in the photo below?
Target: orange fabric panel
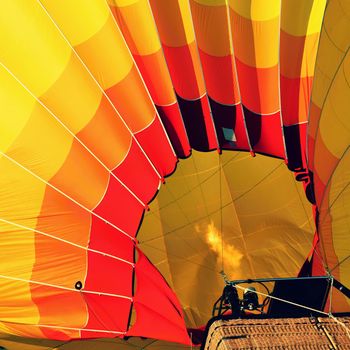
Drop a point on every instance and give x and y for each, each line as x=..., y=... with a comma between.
x=157, y=80
x=106, y=132
x=132, y=101
x=325, y=163
x=55, y=304
x=259, y=88
x=211, y=25
x=72, y=177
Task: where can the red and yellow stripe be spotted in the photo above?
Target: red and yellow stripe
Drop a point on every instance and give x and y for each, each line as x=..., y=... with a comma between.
x=300, y=26
x=328, y=143
x=137, y=25
x=255, y=33
x=176, y=33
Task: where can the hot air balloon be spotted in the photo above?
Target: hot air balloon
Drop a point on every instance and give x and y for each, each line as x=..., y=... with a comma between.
x=151, y=149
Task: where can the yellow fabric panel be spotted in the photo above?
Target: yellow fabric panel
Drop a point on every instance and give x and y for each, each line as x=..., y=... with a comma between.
x=79, y=108
x=324, y=161
x=256, y=43
x=334, y=126
x=122, y=3
x=74, y=97
x=10, y=95
x=137, y=24
x=331, y=52
x=336, y=23
x=333, y=44
x=50, y=149
x=39, y=55
x=256, y=10
x=72, y=94
x=107, y=55
x=211, y=25
x=211, y=2
x=156, y=246
x=339, y=206
x=309, y=15
x=265, y=233
x=20, y=204
x=104, y=50
x=173, y=14
x=78, y=19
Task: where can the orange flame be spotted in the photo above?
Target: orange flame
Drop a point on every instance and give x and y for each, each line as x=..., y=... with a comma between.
x=232, y=256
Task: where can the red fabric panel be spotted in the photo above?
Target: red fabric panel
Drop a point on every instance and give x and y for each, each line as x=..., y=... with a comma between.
x=129, y=172
x=120, y=208
x=158, y=312
x=219, y=78
x=265, y=133
x=156, y=145
x=241, y=129
x=108, y=275
x=271, y=141
x=182, y=64
x=107, y=239
x=106, y=314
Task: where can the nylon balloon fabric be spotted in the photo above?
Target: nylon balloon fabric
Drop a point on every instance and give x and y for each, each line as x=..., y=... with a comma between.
x=102, y=101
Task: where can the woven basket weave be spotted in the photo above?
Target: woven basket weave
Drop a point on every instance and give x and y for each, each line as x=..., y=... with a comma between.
x=287, y=333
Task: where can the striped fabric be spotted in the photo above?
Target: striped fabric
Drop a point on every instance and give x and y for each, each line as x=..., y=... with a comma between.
x=78, y=167
x=176, y=32
x=140, y=33
x=328, y=143
x=100, y=98
x=299, y=36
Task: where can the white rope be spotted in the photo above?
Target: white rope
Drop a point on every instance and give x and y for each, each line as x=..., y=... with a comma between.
x=347, y=329
x=72, y=134
x=101, y=89
x=66, y=288
x=234, y=68
x=67, y=242
x=330, y=295
x=65, y=195
x=329, y=314
x=62, y=327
